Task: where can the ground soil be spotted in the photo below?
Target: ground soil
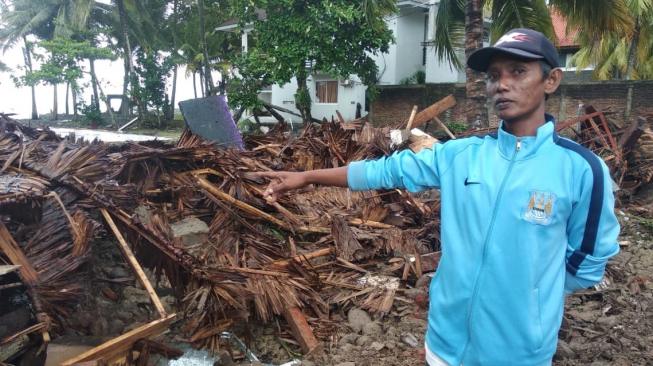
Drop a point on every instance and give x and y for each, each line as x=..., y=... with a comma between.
x=612, y=325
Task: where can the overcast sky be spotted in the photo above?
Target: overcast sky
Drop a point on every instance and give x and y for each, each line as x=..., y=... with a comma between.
x=110, y=73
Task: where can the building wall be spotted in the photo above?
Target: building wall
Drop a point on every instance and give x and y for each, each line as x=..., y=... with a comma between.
x=410, y=35
x=348, y=97
x=387, y=62
x=436, y=71
x=394, y=103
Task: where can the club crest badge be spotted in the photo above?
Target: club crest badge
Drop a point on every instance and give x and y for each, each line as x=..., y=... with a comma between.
x=540, y=207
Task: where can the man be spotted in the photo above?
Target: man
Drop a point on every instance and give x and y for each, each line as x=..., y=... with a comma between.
x=526, y=215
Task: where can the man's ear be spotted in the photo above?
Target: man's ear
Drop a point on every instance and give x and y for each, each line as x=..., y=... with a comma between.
x=553, y=81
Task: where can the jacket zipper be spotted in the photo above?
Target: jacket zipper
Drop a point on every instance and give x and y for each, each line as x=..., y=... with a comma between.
x=485, y=244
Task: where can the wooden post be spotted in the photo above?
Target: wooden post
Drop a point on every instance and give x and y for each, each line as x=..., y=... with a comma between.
x=129, y=255
x=300, y=329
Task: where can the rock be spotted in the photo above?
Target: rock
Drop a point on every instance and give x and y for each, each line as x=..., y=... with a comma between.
x=224, y=359
x=124, y=315
x=363, y=341
x=357, y=319
x=100, y=327
x=390, y=345
x=608, y=321
x=424, y=282
x=135, y=295
x=84, y=319
x=347, y=348
x=116, y=326
x=142, y=214
x=349, y=338
x=372, y=329
x=307, y=363
x=391, y=332
x=190, y=230
x=118, y=272
x=410, y=340
x=377, y=346
x=346, y=364
x=564, y=351
x=412, y=293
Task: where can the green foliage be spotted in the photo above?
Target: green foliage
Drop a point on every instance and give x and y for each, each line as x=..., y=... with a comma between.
x=457, y=127
x=152, y=70
x=336, y=37
x=419, y=77
x=91, y=114
x=618, y=46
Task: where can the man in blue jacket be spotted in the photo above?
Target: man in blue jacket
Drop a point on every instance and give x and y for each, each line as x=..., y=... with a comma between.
x=527, y=215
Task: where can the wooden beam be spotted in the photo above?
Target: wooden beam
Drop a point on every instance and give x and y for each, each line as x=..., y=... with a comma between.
x=302, y=257
x=434, y=110
x=16, y=256
x=300, y=329
x=122, y=343
x=131, y=259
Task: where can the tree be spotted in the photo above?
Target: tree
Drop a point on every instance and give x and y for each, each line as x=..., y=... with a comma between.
x=460, y=22
x=298, y=38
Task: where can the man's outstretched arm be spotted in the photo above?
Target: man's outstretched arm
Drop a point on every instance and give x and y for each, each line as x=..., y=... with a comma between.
x=282, y=182
x=405, y=169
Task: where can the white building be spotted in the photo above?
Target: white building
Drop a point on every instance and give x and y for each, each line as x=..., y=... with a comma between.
x=413, y=29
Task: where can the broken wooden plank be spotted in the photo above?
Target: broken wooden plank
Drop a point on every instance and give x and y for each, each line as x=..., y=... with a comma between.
x=131, y=259
x=434, y=110
x=631, y=134
x=122, y=343
x=430, y=261
x=300, y=329
x=444, y=127
x=304, y=257
x=216, y=192
x=16, y=256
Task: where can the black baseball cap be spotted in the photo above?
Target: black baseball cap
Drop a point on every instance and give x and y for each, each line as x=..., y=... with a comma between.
x=522, y=43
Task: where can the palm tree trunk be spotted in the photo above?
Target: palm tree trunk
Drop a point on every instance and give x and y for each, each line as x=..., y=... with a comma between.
x=125, y=103
x=208, y=81
x=55, y=102
x=173, y=94
x=631, y=66
x=475, y=106
x=127, y=47
x=73, y=91
x=27, y=54
x=202, y=89
x=195, y=84
x=67, y=91
x=94, y=82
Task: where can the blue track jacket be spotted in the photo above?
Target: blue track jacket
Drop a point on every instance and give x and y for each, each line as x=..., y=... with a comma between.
x=523, y=220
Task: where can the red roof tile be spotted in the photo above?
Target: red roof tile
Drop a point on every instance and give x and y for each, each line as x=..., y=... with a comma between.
x=564, y=39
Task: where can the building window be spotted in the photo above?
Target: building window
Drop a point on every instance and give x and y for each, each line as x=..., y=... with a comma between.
x=326, y=91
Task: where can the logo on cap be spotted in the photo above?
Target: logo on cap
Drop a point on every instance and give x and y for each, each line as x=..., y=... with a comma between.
x=514, y=37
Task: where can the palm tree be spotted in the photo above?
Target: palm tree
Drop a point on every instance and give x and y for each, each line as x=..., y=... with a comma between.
x=624, y=51
x=459, y=22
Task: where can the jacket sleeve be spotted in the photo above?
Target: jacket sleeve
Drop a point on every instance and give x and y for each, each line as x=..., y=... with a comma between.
x=592, y=229
x=405, y=169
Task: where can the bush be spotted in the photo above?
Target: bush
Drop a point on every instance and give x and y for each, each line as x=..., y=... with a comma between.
x=91, y=115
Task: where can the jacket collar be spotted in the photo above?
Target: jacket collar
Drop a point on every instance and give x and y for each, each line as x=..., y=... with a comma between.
x=529, y=145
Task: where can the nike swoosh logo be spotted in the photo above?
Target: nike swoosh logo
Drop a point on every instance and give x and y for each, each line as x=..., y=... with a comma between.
x=467, y=182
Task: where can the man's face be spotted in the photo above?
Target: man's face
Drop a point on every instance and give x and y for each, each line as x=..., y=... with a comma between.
x=516, y=87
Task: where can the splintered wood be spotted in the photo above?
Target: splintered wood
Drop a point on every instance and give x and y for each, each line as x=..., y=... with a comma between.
x=297, y=259
x=301, y=258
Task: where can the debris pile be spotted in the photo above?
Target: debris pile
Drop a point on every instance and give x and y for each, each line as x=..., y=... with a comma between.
x=296, y=258
x=194, y=214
